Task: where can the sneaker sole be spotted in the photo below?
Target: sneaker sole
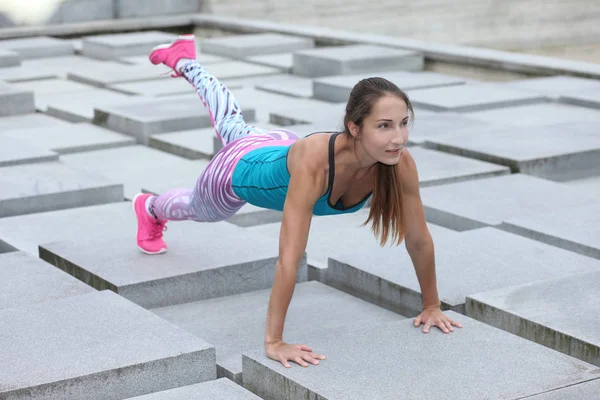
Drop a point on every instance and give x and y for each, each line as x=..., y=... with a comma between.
x=161, y=251
x=167, y=45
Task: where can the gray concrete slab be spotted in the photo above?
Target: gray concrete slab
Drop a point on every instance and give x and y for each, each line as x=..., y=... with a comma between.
x=139, y=168
x=591, y=184
x=258, y=44
x=101, y=75
x=587, y=98
x=582, y=391
x=354, y=59
x=38, y=47
x=49, y=68
x=96, y=346
x=253, y=81
x=48, y=186
x=218, y=389
x=558, y=152
x=295, y=86
x=70, y=11
x=187, y=272
x=537, y=114
x=326, y=116
x=240, y=69
x=553, y=86
x=338, y=88
x=147, y=8
x=439, y=125
x=29, y=121
x=471, y=97
x=28, y=280
x=16, y=152
x=554, y=313
x=117, y=45
x=490, y=201
x=9, y=58
x=71, y=138
x=282, y=61
x=204, y=59
x=52, y=86
x=151, y=116
x=80, y=106
x=387, y=278
x=155, y=87
x=337, y=234
x=333, y=308
x=576, y=228
x=15, y=101
x=474, y=362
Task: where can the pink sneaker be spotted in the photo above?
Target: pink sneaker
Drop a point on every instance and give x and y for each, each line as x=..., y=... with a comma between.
x=149, y=232
x=170, y=53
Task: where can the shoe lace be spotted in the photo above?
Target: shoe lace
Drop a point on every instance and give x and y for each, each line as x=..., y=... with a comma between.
x=156, y=230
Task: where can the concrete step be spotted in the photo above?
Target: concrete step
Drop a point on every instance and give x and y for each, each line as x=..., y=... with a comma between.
x=386, y=276
x=9, y=58
x=16, y=152
x=585, y=98
x=70, y=138
x=187, y=272
x=260, y=44
x=333, y=309
x=38, y=47
x=218, y=389
x=29, y=280
x=558, y=152
x=554, y=313
x=582, y=391
x=282, y=61
x=294, y=86
x=117, y=45
x=29, y=121
x=48, y=186
x=354, y=59
x=474, y=362
x=96, y=346
x=338, y=88
x=102, y=76
x=490, y=201
x=15, y=101
x=553, y=86
x=137, y=9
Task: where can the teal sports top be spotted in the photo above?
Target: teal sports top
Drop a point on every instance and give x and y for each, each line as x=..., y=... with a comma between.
x=261, y=178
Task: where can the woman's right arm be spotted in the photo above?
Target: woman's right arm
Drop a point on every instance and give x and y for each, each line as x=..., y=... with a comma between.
x=305, y=187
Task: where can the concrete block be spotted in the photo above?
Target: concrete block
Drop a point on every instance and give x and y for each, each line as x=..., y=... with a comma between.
x=29, y=121
x=554, y=313
x=474, y=362
x=282, y=61
x=387, y=278
x=553, y=86
x=338, y=88
x=70, y=11
x=260, y=44
x=96, y=346
x=52, y=86
x=204, y=59
x=80, y=106
x=16, y=152
x=139, y=168
x=145, y=118
x=28, y=280
x=218, y=389
x=72, y=138
x=118, y=45
x=440, y=125
x=588, y=98
x=9, y=58
x=337, y=234
x=38, y=47
x=15, y=101
x=591, y=184
x=294, y=86
x=240, y=69
x=154, y=87
x=354, y=59
x=537, y=114
x=101, y=75
x=187, y=272
x=582, y=391
x=39, y=187
x=490, y=201
x=558, y=152
x=575, y=229
x=147, y=8
x=335, y=310
x=326, y=116
x=49, y=68
x=471, y=97
x=253, y=81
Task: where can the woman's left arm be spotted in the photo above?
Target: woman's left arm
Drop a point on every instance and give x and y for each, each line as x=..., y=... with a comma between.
x=419, y=245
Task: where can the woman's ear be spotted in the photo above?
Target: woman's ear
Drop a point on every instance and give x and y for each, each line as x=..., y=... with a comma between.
x=354, y=129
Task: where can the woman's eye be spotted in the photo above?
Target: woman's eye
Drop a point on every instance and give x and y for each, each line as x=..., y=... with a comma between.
x=383, y=125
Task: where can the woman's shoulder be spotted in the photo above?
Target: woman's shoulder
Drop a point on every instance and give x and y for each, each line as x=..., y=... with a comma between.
x=311, y=151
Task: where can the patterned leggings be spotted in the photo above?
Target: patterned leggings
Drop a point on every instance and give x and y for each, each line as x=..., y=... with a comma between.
x=213, y=199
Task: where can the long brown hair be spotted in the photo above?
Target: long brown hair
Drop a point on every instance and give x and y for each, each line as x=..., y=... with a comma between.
x=386, y=212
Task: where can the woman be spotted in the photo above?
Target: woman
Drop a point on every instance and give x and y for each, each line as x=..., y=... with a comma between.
x=320, y=174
